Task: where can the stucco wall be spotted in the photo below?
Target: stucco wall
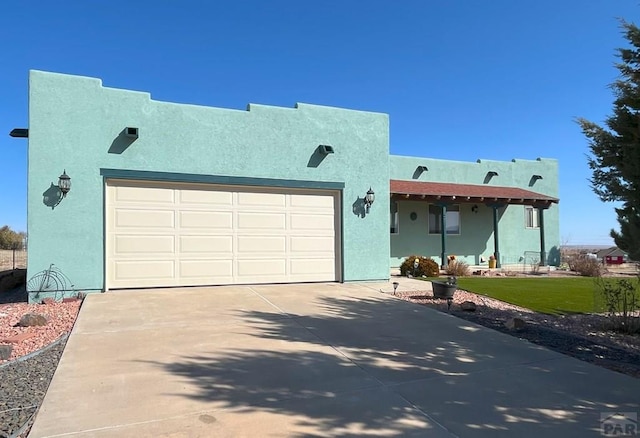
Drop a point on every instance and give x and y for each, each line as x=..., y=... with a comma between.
x=74, y=124
x=476, y=229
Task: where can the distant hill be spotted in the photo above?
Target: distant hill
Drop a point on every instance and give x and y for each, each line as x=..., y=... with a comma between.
x=586, y=248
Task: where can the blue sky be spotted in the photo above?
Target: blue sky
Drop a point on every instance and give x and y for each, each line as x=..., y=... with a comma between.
x=460, y=79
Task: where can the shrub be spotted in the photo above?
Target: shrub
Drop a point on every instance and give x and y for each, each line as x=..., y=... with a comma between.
x=586, y=266
x=621, y=300
x=457, y=268
x=426, y=267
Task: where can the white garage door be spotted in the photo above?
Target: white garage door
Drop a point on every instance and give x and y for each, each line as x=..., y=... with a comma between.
x=172, y=234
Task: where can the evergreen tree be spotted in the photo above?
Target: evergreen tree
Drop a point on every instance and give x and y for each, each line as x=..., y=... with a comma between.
x=615, y=159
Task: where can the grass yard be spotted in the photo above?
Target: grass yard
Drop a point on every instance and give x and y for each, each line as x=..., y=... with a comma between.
x=540, y=294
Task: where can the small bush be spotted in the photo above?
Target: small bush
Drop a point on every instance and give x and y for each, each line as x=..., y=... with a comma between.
x=426, y=267
x=457, y=268
x=621, y=299
x=586, y=266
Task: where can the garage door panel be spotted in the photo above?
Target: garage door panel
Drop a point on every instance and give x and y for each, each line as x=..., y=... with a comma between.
x=206, y=197
x=312, y=222
x=144, y=269
x=261, y=221
x=312, y=266
x=206, y=244
x=261, y=244
x=206, y=269
x=261, y=199
x=261, y=267
x=312, y=244
x=144, y=218
x=142, y=244
x=214, y=220
x=312, y=201
x=143, y=195
x=178, y=234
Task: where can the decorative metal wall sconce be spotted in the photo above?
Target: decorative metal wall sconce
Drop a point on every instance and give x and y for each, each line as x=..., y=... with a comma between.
x=53, y=196
x=64, y=183
x=369, y=198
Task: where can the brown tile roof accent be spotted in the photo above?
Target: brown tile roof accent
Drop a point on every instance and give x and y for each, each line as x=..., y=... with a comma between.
x=432, y=189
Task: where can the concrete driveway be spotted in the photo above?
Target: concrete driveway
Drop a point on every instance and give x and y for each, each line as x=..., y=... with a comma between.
x=312, y=360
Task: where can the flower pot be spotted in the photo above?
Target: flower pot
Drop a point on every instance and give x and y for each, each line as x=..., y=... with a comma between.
x=492, y=264
x=443, y=290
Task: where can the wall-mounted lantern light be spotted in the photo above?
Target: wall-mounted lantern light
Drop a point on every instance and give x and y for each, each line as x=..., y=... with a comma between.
x=64, y=183
x=369, y=198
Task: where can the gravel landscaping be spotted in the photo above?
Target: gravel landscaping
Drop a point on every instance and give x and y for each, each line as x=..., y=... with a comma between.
x=25, y=376
x=23, y=384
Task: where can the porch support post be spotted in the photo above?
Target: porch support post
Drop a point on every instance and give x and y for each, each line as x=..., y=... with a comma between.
x=543, y=252
x=443, y=235
x=496, y=246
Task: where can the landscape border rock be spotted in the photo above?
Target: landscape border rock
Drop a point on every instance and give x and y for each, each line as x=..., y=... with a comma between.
x=468, y=306
x=33, y=319
x=515, y=324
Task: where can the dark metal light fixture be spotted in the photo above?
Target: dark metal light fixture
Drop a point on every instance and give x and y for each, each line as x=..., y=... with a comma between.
x=64, y=183
x=369, y=198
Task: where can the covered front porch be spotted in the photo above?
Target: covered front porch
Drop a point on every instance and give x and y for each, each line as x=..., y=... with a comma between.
x=471, y=222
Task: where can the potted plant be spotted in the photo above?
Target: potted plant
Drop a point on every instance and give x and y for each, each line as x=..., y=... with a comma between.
x=492, y=261
x=445, y=290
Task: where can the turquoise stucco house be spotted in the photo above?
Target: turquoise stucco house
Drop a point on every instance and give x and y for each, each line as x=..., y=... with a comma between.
x=165, y=194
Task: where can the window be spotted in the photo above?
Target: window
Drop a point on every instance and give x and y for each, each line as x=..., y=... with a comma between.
x=393, y=219
x=531, y=217
x=453, y=219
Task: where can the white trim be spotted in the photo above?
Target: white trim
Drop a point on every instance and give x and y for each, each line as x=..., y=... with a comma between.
x=535, y=219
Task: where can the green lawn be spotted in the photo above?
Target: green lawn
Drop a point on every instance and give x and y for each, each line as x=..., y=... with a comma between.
x=540, y=294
